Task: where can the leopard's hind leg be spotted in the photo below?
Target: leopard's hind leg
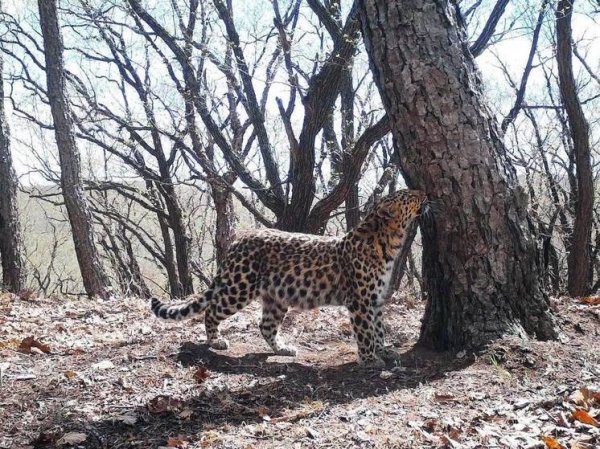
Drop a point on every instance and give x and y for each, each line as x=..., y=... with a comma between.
x=273, y=314
x=228, y=300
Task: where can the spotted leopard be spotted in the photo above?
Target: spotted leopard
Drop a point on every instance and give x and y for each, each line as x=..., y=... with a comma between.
x=306, y=271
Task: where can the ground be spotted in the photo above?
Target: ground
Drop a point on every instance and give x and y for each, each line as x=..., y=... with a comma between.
x=109, y=375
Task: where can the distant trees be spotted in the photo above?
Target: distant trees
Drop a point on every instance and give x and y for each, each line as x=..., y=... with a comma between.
x=94, y=277
x=11, y=240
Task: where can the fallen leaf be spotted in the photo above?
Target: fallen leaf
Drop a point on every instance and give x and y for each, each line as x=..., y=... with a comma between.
x=179, y=442
x=262, y=411
x=431, y=424
x=128, y=418
x=30, y=342
x=591, y=300
x=552, y=443
x=444, y=397
x=26, y=294
x=185, y=414
x=386, y=375
x=201, y=374
x=577, y=397
x=584, y=397
x=162, y=403
x=75, y=351
x=585, y=442
x=70, y=374
x=12, y=344
x=72, y=438
x=210, y=438
x=584, y=417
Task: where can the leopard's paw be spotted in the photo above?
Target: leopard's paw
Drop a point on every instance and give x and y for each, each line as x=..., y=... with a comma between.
x=388, y=353
x=371, y=362
x=286, y=350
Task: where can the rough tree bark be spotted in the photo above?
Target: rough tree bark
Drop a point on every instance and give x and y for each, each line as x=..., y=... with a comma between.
x=480, y=264
x=579, y=266
x=95, y=280
x=11, y=242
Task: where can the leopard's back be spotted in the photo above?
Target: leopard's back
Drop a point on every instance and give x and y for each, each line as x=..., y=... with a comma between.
x=300, y=270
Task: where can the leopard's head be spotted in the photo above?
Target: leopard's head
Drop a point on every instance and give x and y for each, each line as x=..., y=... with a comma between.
x=402, y=207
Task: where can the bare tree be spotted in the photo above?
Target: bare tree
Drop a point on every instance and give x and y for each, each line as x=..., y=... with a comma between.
x=480, y=266
x=94, y=278
x=579, y=251
x=11, y=242
x=294, y=210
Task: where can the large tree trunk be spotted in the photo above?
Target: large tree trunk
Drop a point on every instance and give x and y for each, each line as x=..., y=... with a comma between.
x=94, y=278
x=480, y=261
x=11, y=242
x=579, y=266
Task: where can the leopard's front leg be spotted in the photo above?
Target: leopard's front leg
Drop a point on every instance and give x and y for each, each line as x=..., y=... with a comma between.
x=379, y=330
x=363, y=318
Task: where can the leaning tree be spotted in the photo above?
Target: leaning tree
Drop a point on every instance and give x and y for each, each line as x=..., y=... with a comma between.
x=480, y=266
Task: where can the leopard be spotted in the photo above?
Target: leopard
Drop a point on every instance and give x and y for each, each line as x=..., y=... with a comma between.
x=302, y=271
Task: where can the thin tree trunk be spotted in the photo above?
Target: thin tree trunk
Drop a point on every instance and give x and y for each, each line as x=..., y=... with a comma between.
x=579, y=265
x=11, y=242
x=480, y=265
x=95, y=280
x=225, y=226
x=181, y=237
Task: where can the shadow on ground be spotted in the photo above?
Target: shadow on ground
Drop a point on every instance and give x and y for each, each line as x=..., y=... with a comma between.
x=265, y=383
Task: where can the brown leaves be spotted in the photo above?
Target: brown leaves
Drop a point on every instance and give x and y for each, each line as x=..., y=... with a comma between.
x=582, y=416
x=162, y=403
x=585, y=397
x=30, y=342
x=201, y=374
x=444, y=397
x=71, y=438
x=552, y=443
x=70, y=374
x=27, y=294
x=13, y=343
x=180, y=442
x=590, y=300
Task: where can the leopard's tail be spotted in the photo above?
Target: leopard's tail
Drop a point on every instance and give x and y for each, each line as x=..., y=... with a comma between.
x=194, y=305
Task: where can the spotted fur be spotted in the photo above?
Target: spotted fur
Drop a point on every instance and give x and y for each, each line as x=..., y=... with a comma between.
x=305, y=271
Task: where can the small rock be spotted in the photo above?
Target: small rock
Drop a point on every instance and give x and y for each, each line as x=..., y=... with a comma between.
x=386, y=375
x=521, y=404
x=104, y=365
x=72, y=438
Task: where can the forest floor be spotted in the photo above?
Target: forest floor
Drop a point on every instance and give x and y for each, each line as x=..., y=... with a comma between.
x=98, y=374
